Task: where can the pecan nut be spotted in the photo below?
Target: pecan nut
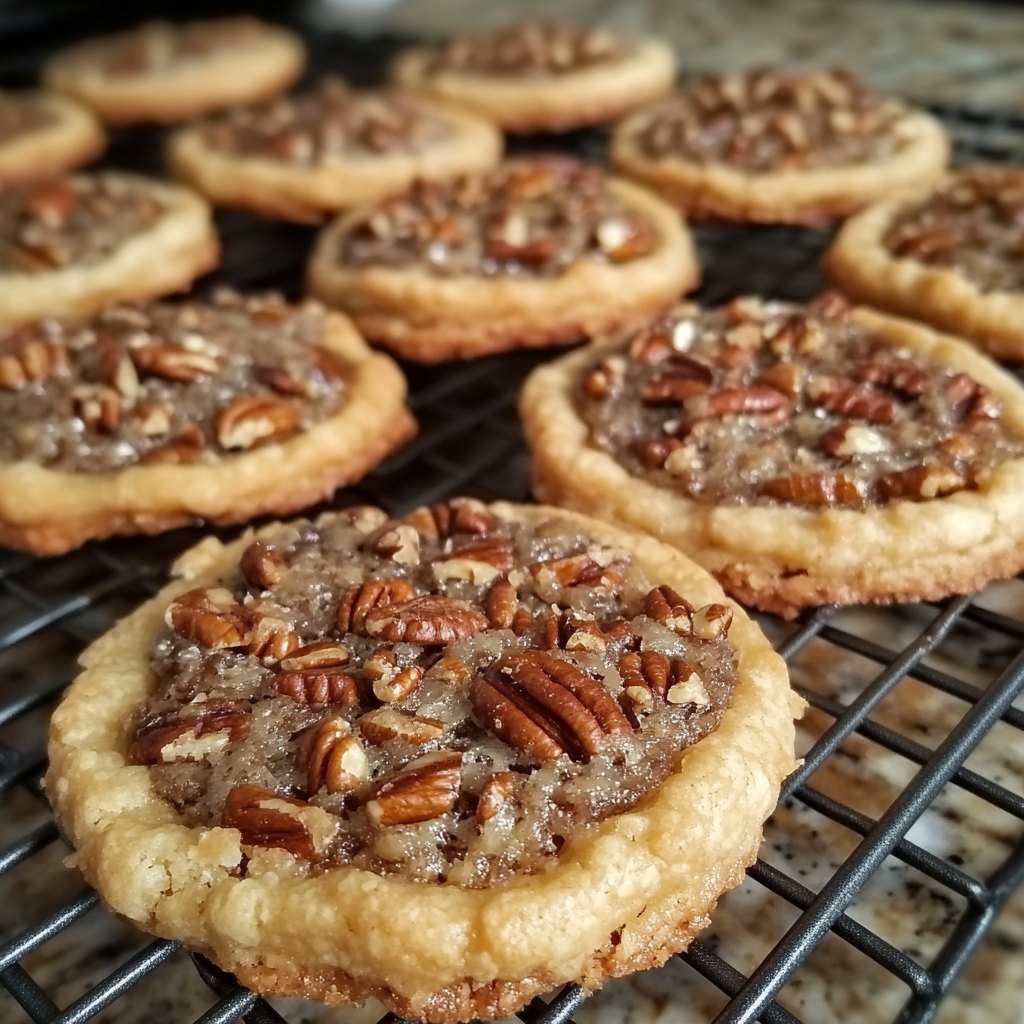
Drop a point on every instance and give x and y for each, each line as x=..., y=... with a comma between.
x=387, y=725
x=23, y=362
x=445, y=519
x=359, y=601
x=431, y=620
x=179, y=736
x=497, y=792
x=178, y=364
x=262, y=566
x=336, y=760
x=545, y=707
x=268, y=819
x=255, y=420
x=425, y=788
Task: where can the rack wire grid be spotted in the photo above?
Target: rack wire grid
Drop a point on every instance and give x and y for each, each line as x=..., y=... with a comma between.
x=470, y=442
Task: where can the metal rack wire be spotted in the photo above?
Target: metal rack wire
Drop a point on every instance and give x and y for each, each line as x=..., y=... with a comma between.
x=470, y=442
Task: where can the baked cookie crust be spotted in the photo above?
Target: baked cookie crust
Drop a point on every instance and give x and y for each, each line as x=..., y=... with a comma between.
x=72, y=137
x=49, y=512
x=167, y=257
x=785, y=558
x=429, y=318
x=860, y=264
x=636, y=887
x=809, y=197
x=574, y=99
x=266, y=62
x=308, y=193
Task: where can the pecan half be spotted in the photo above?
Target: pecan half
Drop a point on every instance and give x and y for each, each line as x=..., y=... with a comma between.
x=445, y=519
x=176, y=736
x=27, y=361
x=358, y=601
x=546, y=707
x=850, y=398
x=387, y=725
x=319, y=686
x=816, y=489
x=501, y=603
x=268, y=819
x=317, y=655
x=255, y=420
x=210, y=616
x=496, y=793
x=651, y=673
x=172, y=363
x=682, y=378
x=431, y=620
x=262, y=565
x=928, y=481
x=424, y=789
x=336, y=760
x=665, y=605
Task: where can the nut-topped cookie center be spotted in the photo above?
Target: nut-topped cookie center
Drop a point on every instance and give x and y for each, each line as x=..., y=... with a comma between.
x=771, y=120
x=72, y=221
x=530, y=49
x=533, y=217
x=164, y=383
x=329, y=121
x=770, y=403
x=451, y=696
x=973, y=224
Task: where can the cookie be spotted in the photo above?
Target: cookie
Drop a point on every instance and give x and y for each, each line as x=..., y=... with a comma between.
x=779, y=147
x=542, y=76
x=69, y=246
x=952, y=257
x=42, y=135
x=805, y=455
x=466, y=723
x=148, y=417
x=164, y=72
x=539, y=252
x=301, y=157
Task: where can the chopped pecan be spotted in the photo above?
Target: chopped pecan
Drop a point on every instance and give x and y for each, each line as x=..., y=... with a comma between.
x=849, y=439
x=186, y=448
x=671, y=609
x=211, y=616
x=680, y=379
x=280, y=380
x=22, y=362
x=927, y=243
x=262, y=565
x=255, y=420
x=624, y=238
x=832, y=306
x=388, y=724
x=271, y=639
x=317, y=655
x=927, y=481
x=425, y=788
x=396, y=686
x=207, y=727
x=712, y=621
x=152, y=419
x=477, y=559
x=358, y=601
x=52, y=202
x=97, y=406
x=545, y=707
x=753, y=400
x=652, y=673
x=114, y=367
x=571, y=632
x=849, y=398
x=597, y=567
x=651, y=347
x=401, y=544
x=654, y=451
x=784, y=377
x=268, y=819
x=364, y=518
x=445, y=519
x=603, y=378
x=452, y=670
x=319, y=686
x=496, y=793
x=431, y=620
x=816, y=489
x=335, y=760
x=902, y=376
x=501, y=603
x=172, y=363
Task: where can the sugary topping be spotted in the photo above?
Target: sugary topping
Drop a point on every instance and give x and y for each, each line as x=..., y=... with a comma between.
x=329, y=121
x=770, y=403
x=164, y=383
x=536, y=48
x=531, y=217
x=973, y=223
x=21, y=113
x=451, y=696
x=773, y=121
x=52, y=224
x=159, y=46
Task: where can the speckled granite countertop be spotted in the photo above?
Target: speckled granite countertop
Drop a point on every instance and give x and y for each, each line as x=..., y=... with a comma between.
x=949, y=51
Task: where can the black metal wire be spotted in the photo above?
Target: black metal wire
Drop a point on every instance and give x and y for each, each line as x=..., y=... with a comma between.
x=470, y=442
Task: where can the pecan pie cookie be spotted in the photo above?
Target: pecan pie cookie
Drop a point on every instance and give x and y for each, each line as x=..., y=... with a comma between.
x=302, y=156
x=542, y=76
x=69, y=246
x=148, y=417
x=779, y=147
x=953, y=257
x=166, y=72
x=804, y=454
x=42, y=135
x=539, y=747
x=539, y=252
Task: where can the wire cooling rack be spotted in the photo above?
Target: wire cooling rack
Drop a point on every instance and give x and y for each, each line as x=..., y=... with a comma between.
x=471, y=442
